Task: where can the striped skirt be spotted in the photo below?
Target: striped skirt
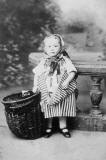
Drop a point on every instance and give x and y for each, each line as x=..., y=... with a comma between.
x=66, y=108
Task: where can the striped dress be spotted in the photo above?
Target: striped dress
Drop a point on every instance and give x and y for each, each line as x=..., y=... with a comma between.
x=63, y=100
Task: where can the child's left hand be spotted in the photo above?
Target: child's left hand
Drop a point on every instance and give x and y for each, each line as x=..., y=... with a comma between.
x=65, y=84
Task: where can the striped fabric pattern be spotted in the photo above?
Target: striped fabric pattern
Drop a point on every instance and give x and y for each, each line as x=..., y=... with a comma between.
x=62, y=93
x=42, y=87
x=64, y=100
x=66, y=108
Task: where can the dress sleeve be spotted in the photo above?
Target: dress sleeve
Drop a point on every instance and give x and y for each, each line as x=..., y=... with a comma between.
x=38, y=70
x=35, y=84
x=69, y=66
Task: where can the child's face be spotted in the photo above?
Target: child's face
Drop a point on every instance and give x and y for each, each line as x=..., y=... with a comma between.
x=52, y=46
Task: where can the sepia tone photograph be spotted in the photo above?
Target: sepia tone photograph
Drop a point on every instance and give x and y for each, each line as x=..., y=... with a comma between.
x=52, y=79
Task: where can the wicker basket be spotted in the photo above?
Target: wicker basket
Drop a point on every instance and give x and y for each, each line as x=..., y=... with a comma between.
x=24, y=116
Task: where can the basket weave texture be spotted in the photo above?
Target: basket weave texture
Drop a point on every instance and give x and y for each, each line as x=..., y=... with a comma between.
x=24, y=116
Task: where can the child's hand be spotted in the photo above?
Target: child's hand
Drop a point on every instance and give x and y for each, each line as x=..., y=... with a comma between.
x=49, y=101
x=65, y=84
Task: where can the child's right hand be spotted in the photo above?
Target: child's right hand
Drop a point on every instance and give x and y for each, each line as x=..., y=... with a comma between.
x=49, y=101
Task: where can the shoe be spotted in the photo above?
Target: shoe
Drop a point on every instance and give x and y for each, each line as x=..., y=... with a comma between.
x=65, y=132
x=48, y=133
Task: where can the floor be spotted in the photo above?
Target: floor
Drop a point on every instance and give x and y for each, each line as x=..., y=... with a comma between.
x=83, y=145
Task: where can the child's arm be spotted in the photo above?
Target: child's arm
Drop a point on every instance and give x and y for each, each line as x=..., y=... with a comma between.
x=71, y=70
x=35, y=85
x=59, y=94
x=68, y=80
x=39, y=69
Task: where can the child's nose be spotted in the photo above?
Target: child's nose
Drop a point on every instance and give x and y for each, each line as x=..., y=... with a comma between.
x=53, y=47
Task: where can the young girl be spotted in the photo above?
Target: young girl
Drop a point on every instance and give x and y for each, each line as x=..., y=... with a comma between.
x=55, y=79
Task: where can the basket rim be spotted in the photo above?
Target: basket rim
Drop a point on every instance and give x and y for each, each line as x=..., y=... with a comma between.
x=21, y=100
